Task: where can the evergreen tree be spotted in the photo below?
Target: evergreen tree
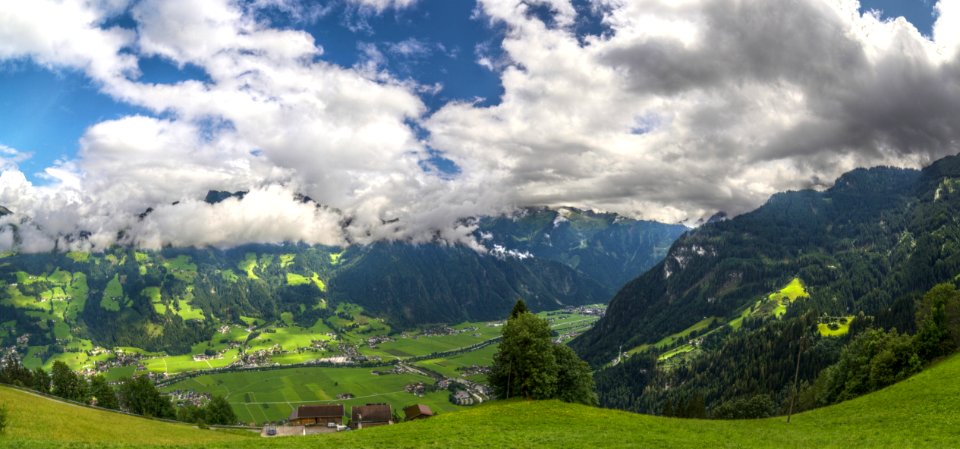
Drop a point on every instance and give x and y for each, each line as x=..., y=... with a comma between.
x=696, y=407
x=14, y=373
x=140, y=396
x=938, y=321
x=190, y=413
x=528, y=364
x=67, y=384
x=668, y=409
x=41, y=380
x=574, y=380
x=218, y=411
x=103, y=393
x=525, y=365
x=518, y=308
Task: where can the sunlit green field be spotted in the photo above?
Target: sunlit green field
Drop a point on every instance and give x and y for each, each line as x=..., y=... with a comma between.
x=447, y=366
x=262, y=396
x=837, y=328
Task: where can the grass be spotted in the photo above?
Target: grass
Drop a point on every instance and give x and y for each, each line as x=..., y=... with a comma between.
x=35, y=421
x=787, y=295
x=290, y=338
x=112, y=295
x=184, y=363
x=836, y=328
x=249, y=264
x=683, y=349
x=671, y=339
x=263, y=396
x=182, y=268
x=79, y=257
x=299, y=279
x=448, y=365
x=920, y=412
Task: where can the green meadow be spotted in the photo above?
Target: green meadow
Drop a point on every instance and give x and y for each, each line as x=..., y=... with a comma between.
x=920, y=412
x=264, y=396
x=836, y=328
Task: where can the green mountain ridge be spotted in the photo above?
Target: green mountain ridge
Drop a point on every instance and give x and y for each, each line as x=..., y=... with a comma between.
x=865, y=249
x=172, y=299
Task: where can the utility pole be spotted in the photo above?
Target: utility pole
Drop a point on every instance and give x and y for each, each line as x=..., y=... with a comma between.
x=796, y=378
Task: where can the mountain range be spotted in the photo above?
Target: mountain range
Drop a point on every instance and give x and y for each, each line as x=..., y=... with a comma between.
x=170, y=299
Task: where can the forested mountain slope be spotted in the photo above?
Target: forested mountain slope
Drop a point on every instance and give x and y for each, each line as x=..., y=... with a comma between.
x=859, y=254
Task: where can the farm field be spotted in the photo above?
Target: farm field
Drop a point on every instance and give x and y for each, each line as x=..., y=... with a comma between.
x=264, y=396
x=447, y=366
x=270, y=395
x=920, y=412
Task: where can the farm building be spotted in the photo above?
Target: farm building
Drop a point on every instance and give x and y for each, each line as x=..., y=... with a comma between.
x=371, y=415
x=317, y=415
x=418, y=411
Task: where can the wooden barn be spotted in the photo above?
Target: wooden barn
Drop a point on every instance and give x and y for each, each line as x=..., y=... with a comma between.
x=317, y=415
x=370, y=415
x=418, y=411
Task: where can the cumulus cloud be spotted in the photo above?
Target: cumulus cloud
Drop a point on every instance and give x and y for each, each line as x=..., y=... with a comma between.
x=67, y=34
x=272, y=115
x=677, y=110
x=684, y=108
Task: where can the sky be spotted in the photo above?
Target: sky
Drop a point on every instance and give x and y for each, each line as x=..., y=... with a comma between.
x=404, y=117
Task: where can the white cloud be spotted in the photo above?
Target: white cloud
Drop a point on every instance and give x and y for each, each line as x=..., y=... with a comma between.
x=946, y=30
x=688, y=107
x=271, y=116
x=379, y=6
x=66, y=34
x=681, y=109
x=10, y=158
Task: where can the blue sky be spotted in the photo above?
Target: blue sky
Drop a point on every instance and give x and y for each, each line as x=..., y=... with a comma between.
x=429, y=111
x=45, y=112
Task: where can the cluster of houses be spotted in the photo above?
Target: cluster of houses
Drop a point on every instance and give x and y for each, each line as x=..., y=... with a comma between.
x=330, y=418
x=473, y=370
x=189, y=397
x=437, y=331
x=596, y=310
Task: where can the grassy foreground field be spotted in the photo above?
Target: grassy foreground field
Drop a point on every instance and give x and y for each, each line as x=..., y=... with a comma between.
x=923, y=411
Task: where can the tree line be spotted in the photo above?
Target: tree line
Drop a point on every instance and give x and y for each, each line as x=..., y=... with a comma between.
x=136, y=395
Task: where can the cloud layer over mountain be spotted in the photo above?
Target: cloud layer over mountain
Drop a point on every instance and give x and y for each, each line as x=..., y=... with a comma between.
x=677, y=110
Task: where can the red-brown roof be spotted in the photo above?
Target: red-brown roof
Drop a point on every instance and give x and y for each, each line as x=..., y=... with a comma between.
x=317, y=411
x=419, y=410
x=371, y=413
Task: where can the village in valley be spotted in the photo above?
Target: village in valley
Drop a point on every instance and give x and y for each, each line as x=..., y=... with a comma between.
x=348, y=361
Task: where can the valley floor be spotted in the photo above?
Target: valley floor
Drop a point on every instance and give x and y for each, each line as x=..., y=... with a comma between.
x=923, y=411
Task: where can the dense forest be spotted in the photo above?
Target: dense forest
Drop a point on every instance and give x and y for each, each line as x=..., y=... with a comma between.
x=866, y=252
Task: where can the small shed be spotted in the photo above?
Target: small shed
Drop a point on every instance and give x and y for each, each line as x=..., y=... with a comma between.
x=418, y=411
x=317, y=415
x=371, y=415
